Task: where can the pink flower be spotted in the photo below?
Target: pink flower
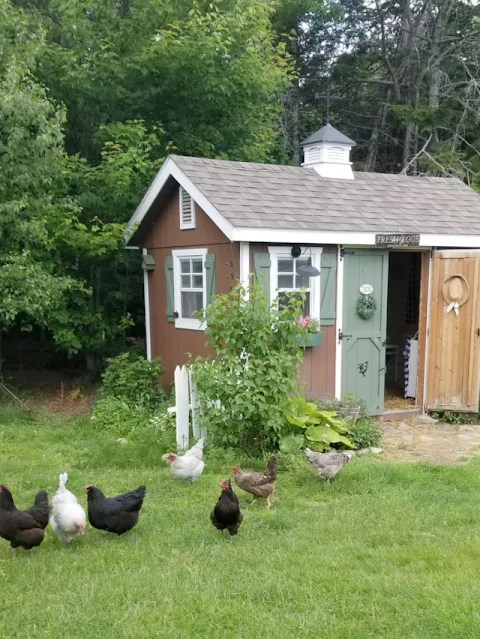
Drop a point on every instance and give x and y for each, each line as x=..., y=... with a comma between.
x=303, y=321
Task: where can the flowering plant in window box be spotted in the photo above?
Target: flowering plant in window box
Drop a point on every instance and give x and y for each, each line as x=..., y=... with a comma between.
x=313, y=336
x=310, y=323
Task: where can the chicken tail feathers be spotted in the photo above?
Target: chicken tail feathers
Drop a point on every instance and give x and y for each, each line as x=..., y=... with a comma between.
x=62, y=480
x=272, y=467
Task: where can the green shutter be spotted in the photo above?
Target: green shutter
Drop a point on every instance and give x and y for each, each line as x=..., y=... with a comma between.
x=170, y=288
x=261, y=267
x=327, y=281
x=210, y=276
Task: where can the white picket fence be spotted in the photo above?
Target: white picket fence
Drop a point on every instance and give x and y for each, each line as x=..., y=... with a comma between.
x=185, y=408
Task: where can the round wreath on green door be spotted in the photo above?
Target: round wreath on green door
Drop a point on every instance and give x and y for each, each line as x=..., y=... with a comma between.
x=366, y=306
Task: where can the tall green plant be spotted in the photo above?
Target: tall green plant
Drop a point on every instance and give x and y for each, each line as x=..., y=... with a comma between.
x=243, y=390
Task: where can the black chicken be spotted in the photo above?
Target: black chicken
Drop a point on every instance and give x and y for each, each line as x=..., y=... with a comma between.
x=226, y=513
x=18, y=527
x=40, y=510
x=114, y=514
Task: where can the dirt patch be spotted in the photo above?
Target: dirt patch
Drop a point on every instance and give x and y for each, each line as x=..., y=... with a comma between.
x=65, y=392
x=410, y=441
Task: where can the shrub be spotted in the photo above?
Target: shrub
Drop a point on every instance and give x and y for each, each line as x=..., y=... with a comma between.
x=242, y=392
x=133, y=379
x=364, y=433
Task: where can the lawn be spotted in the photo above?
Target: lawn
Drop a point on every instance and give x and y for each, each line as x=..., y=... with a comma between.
x=386, y=551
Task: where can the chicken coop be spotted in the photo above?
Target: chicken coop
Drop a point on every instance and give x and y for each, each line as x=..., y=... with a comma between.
x=389, y=264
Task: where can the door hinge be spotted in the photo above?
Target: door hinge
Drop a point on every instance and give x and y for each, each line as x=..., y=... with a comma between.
x=343, y=252
x=342, y=335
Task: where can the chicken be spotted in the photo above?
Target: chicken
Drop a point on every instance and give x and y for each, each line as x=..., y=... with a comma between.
x=40, y=510
x=258, y=484
x=187, y=467
x=327, y=465
x=16, y=526
x=68, y=518
x=114, y=514
x=226, y=513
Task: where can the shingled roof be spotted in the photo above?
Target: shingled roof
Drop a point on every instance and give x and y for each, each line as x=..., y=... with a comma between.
x=268, y=196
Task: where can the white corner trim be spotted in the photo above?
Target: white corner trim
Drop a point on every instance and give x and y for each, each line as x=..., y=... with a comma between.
x=146, y=299
x=347, y=238
x=315, y=288
x=245, y=265
x=189, y=323
x=170, y=169
x=338, y=326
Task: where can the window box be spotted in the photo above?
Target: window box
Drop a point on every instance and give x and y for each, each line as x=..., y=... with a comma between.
x=312, y=339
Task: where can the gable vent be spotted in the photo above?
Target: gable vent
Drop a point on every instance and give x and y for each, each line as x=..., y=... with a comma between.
x=187, y=210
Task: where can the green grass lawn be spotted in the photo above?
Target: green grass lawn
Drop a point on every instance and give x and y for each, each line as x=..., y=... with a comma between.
x=386, y=551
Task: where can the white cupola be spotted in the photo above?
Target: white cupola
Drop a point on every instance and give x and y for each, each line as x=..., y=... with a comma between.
x=328, y=152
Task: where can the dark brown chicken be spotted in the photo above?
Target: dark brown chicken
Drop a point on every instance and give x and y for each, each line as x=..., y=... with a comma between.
x=258, y=484
x=114, y=514
x=226, y=514
x=18, y=527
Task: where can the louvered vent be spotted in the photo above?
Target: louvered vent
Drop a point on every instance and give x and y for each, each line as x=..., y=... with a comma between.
x=187, y=217
x=313, y=154
x=336, y=155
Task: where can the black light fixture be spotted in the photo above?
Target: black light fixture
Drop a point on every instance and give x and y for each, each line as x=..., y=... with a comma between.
x=305, y=270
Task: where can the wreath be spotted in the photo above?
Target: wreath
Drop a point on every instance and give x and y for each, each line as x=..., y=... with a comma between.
x=366, y=306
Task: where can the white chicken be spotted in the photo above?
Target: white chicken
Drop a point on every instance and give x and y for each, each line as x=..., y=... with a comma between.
x=68, y=518
x=187, y=467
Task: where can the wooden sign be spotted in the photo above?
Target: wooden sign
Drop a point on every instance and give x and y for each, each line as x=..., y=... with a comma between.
x=396, y=240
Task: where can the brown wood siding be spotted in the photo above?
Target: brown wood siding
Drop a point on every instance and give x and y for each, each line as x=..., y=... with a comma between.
x=317, y=374
x=165, y=230
x=422, y=326
x=172, y=344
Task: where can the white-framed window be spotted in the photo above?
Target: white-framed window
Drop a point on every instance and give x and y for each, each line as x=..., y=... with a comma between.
x=190, y=286
x=284, y=279
x=187, y=209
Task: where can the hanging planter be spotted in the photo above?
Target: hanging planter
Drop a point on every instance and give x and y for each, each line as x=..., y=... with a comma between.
x=366, y=306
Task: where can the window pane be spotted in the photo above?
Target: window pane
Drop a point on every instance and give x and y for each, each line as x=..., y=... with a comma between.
x=285, y=281
x=197, y=281
x=196, y=266
x=306, y=308
x=191, y=302
x=282, y=300
x=186, y=281
x=285, y=266
x=185, y=266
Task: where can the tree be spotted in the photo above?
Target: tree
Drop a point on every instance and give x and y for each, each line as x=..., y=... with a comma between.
x=32, y=287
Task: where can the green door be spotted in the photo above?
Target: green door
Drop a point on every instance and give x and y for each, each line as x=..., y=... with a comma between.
x=363, y=341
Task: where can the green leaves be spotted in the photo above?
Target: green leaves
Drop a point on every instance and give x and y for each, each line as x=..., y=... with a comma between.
x=321, y=428
x=254, y=370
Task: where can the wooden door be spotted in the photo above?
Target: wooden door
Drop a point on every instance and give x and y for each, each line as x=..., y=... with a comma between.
x=453, y=351
x=363, y=341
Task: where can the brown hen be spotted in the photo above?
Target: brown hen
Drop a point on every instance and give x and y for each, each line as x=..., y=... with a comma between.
x=258, y=484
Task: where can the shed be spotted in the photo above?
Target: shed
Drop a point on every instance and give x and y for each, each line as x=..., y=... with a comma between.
x=412, y=244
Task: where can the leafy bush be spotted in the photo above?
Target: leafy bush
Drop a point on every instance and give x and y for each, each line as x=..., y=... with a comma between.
x=116, y=418
x=364, y=433
x=243, y=391
x=320, y=429
x=133, y=379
